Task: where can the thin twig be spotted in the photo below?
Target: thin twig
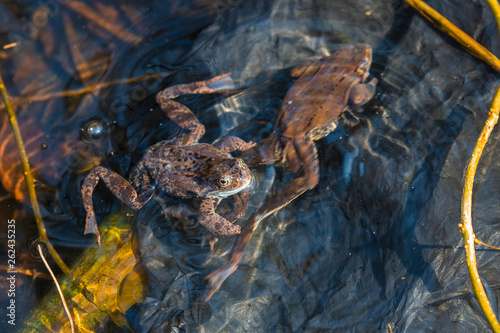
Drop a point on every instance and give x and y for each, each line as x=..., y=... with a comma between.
x=8, y=46
x=82, y=70
x=466, y=225
x=115, y=29
x=39, y=247
x=29, y=179
x=495, y=8
x=454, y=32
x=477, y=241
x=20, y=100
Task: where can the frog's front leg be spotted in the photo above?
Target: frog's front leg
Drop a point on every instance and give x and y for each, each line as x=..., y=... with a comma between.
x=306, y=68
x=215, y=224
x=232, y=143
x=180, y=114
x=240, y=206
x=362, y=93
x=120, y=187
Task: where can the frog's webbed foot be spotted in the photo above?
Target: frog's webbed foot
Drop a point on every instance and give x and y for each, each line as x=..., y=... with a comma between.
x=362, y=93
x=91, y=226
x=216, y=278
x=211, y=240
x=120, y=187
x=232, y=143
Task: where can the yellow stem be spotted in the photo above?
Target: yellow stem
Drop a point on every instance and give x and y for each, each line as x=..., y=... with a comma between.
x=454, y=32
x=495, y=8
x=61, y=295
x=20, y=100
x=466, y=226
x=29, y=178
x=31, y=189
x=478, y=242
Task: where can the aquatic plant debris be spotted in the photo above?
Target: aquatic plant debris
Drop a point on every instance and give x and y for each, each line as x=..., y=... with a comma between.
x=465, y=227
x=32, y=194
x=456, y=33
x=117, y=30
x=29, y=178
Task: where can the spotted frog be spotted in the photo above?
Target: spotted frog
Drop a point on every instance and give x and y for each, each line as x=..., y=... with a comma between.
x=324, y=88
x=182, y=167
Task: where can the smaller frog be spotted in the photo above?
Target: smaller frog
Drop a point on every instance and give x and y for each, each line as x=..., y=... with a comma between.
x=182, y=167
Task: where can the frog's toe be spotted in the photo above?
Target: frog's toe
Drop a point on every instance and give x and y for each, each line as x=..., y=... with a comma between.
x=216, y=279
x=211, y=240
x=91, y=227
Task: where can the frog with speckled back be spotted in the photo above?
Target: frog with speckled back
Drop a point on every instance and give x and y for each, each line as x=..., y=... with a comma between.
x=183, y=168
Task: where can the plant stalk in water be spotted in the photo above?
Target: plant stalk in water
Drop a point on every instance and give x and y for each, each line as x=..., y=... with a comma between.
x=465, y=227
x=61, y=295
x=495, y=8
x=29, y=179
x=454, y=32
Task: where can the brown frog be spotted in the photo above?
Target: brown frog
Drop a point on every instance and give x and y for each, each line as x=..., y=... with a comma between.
x=182, y=167
x=324, y=88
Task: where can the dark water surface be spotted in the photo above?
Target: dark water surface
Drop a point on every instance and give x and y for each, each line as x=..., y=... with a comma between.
x=375, y=243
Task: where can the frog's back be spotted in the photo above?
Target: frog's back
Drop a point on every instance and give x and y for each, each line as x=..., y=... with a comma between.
x=321, y=92
x=196, y=170
x=166, y=157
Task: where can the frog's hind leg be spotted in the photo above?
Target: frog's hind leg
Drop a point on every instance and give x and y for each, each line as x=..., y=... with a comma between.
x=233, y=143
x=305, y=152
x=186, y=120
x=180, y=114
x=120, y=187
x=198, y=87
x=266, y=152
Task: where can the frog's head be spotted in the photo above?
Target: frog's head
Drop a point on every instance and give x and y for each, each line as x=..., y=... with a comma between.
x=357, y=56
x=226, y=177
x=363, y=59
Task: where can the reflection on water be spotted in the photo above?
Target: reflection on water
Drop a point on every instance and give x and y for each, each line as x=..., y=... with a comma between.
x=376, y=242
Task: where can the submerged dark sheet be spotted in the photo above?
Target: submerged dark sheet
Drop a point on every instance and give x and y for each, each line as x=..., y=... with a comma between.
x=376, y=242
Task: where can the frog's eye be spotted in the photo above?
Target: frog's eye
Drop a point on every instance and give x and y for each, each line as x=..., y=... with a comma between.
x=223, y=181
